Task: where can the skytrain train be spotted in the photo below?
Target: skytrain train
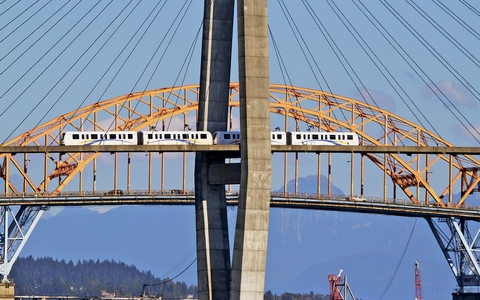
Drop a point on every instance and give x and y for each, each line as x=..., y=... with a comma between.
x=71, y=138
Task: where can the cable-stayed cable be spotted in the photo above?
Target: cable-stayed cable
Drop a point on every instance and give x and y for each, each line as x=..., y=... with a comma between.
x=85, y=66
x=400, y=50
x=349, y=70
x=457, y=19
x=376, y=58
x=298, y=36
x=33, y=65
x=40, y=38
x=452, y=40
x=10, y=7
x=410, y=28
x=51, y=63
x=118, y=55
x=399, y=263
x=131, y=52
x=20, y=14
x=469, y=6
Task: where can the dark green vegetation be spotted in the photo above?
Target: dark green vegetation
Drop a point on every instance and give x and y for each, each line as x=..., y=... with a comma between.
x=295, y=296
x=46, y=276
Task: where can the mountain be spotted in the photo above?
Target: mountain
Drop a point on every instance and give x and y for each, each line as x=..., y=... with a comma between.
x=377, y=253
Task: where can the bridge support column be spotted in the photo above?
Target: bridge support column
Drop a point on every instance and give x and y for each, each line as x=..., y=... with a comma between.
x=213, y=251
x=7, y=291
x=459, y=249
x=251, y=232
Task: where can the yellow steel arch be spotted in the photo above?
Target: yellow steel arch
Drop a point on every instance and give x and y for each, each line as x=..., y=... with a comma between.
x=299, y=107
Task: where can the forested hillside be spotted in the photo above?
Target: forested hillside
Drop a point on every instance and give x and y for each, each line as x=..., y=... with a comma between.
x=46, y=276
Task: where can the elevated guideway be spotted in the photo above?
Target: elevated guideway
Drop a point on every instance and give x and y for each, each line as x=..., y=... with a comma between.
x=236, y=148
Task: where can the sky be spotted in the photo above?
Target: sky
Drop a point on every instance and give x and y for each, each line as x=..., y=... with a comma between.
x=53, y=63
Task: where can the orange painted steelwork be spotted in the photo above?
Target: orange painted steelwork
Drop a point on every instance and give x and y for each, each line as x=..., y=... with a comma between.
x=309, y=108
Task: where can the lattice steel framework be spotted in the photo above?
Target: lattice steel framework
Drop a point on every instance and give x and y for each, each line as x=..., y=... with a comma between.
x=297, y=108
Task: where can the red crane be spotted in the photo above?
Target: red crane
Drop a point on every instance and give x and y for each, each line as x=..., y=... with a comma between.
x=418, y=283
x=335, y=281
x=339, y=289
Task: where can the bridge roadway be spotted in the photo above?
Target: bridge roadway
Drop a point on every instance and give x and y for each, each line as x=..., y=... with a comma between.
x=374, y=205
x=236, y=148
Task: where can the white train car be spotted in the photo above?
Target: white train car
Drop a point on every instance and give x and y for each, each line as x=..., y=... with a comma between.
x=175, y=138
x=233, y=137
x=226, y=137
x=322, y=138
x=74, y=138
x=278, y=138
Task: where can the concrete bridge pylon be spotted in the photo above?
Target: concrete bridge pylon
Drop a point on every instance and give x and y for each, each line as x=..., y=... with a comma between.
x=246, y=276
x=213, y=253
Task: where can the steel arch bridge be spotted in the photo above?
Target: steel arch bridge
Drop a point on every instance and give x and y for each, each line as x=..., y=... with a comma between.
x=293, y=107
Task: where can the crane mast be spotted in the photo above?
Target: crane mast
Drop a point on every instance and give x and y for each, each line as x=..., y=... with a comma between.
x=418, y=283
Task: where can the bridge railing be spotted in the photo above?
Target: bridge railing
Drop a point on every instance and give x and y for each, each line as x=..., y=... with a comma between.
x=284, y=196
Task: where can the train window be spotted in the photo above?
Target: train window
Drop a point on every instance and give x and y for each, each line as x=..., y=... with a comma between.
x=314, y=136
x=130, y=136
x=299, y=136
x=160, y=136
x=349, y=137
x=75, y=136
x=332, y=136
x=203, y=136
x=113, y=136
x=149, y=136
x=185, y=135
x=226, y=136
x=94, y=136
x=168, y=136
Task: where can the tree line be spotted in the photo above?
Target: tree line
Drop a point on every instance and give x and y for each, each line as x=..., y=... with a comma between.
x=46, y=276
x=50, y=277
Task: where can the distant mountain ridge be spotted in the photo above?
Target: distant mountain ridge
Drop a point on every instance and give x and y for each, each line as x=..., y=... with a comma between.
x=304, y=246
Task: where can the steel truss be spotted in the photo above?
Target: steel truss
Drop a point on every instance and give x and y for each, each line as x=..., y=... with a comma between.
x=15, y=233
x=294, y=107
x=460, y=250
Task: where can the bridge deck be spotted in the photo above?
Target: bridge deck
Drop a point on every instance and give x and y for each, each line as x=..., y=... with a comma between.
x=397, y=207
x=236, y=148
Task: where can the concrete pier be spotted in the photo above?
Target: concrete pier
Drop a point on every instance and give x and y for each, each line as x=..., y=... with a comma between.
x=213, y=250
x=251, y=232
x=7, y=291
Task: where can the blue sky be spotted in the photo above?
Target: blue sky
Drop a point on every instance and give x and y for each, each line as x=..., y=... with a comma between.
x=40, y=62
x=41, y=58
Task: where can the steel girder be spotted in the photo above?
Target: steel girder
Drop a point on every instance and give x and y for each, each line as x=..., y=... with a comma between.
x=461, y=251
x=311, y=108
x=16, y=229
